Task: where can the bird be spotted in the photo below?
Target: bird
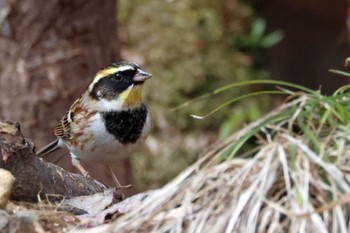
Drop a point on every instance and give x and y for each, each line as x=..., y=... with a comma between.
x=107, y=121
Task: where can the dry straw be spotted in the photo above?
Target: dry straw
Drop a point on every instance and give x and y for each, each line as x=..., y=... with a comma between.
x=286, y=172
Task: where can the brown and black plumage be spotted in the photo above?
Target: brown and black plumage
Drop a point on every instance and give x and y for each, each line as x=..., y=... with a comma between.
x=108, y=119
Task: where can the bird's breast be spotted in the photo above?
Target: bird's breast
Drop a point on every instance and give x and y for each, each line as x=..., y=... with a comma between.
x=110, y=136
x=127, y=125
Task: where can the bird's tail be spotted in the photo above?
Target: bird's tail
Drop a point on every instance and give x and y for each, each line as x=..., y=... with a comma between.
x=51, y=147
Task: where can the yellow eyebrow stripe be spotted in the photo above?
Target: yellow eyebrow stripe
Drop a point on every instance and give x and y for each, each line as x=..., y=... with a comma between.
x=104, y=73
x=101, y=74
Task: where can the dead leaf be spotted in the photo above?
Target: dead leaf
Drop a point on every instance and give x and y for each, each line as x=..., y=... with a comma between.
x=120, y=208
x=92, y=204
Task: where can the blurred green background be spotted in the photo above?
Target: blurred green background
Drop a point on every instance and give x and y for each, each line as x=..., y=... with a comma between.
x=192, y=48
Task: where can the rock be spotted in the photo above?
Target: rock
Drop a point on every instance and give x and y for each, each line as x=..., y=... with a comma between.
x=3, y=220
x=6, y=183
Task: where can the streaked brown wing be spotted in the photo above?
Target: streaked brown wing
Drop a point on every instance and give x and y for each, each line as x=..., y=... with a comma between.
x=63, y=127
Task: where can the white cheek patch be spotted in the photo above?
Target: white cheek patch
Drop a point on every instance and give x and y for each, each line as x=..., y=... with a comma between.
x=101, y=105
x=98, y=93
x=110, y=105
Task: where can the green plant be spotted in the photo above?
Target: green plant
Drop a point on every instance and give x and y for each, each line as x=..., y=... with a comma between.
x=257, y=39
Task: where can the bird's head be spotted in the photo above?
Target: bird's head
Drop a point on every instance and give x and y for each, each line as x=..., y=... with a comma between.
x=119, y=85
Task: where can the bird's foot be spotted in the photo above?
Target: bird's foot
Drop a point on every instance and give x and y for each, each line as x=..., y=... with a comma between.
x=119, y=189
x=76, y=163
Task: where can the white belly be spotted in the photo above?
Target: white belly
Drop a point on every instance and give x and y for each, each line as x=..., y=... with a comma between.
x=102, y=147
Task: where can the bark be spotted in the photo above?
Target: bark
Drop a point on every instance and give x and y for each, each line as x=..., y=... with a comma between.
x=49, y=53
x=315, y=40
x=35, y=178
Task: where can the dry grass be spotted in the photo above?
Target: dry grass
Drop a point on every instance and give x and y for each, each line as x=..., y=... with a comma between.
x=292, y=175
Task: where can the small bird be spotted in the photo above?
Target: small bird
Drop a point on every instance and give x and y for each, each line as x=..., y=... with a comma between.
x=107, y=121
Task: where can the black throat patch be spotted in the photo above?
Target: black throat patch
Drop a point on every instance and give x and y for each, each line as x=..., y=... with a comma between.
x=126, y=125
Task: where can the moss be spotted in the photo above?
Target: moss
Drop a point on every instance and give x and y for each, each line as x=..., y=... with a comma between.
x=188, y=46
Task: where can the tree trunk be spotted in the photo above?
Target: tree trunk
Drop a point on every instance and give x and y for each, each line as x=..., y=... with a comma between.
x=315, y=40
x=49, y=52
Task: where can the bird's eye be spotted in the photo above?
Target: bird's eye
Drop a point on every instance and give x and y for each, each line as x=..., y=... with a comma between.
x=117, y=77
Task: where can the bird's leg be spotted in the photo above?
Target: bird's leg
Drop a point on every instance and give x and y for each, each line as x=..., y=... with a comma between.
x=76, y=163
x=115, y=179
x=119, y=189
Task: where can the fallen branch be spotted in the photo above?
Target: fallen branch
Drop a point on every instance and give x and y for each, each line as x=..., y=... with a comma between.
x=36, y=179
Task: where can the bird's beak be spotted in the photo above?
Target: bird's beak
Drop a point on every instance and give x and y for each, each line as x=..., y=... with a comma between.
x=141, y=76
